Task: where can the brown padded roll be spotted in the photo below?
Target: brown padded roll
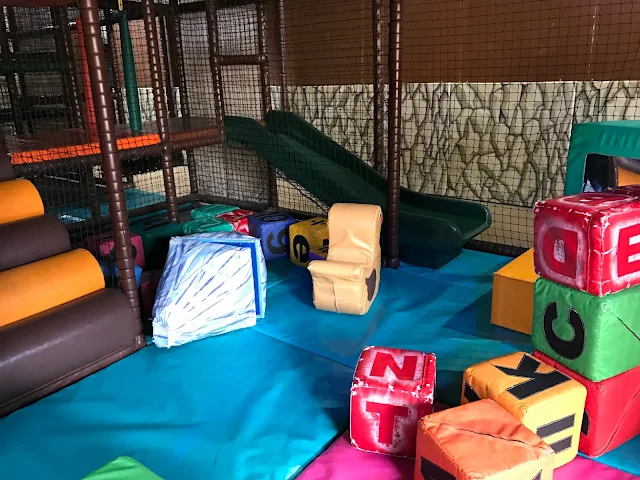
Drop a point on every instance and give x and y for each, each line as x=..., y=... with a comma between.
x=31, y=240
x=48, y=347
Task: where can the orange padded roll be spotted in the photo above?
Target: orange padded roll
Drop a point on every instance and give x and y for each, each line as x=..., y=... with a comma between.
x=39, y=286
x=19, y=199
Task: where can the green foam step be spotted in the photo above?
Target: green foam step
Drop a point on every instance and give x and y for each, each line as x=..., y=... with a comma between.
x=209, y=211
x=211, y=224
x=156, y=233
x=597, y=337
x=123, y=468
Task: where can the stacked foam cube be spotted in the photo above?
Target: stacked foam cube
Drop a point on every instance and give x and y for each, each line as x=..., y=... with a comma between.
x=586, y=307
x=392, y=403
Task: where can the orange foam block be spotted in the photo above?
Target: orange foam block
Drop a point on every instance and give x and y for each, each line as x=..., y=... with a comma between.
x=512, y=300
x=19, y=200
x=49, y=283
x=479, y=440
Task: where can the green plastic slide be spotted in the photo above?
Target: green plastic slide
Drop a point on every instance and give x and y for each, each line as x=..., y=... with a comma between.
x=433, y=229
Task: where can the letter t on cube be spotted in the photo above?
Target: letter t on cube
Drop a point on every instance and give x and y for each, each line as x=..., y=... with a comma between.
x=392, y=389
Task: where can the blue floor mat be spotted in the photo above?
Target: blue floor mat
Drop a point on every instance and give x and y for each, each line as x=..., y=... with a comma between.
x=445, y=312
x=238, y=406
x=262, y=403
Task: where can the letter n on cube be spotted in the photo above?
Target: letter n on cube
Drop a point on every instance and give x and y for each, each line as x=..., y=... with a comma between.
x=392, y=389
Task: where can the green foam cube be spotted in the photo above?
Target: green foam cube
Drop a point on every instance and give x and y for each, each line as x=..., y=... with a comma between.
x=209, y=211
x=156, y=233
x=123, y=468
x=597, y=337
x=211, y=224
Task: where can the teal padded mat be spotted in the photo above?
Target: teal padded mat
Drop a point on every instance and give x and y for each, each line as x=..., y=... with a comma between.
x=238, y=406
x=443, y=311
x=262, y=403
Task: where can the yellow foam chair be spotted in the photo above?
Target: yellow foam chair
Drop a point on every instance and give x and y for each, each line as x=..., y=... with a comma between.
x=347, y=281
x=512, y=297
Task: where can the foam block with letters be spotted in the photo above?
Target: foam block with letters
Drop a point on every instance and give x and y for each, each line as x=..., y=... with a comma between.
x=239, y=218
x=480, y=440
x=392, y=389
x=512, y=298
x=589, y=241
x=156, y=232
x=612, y=410
x=597, y=337
x=272, y=228
x=545, y=400
x=307, y=237
x=102, y=245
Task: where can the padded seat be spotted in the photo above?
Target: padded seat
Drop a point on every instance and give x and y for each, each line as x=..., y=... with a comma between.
x=347, y=281
x=46, y=352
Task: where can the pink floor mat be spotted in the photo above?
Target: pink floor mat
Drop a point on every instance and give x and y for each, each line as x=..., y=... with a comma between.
x=343, y=462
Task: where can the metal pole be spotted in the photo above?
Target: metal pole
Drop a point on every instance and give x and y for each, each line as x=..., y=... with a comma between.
x=179, y=74
x=378, y=89
x=171, y=104
x=214, y=62
x=111, y=58
x=109, y=150
x=12, y=86
x=22, y=100
x=392, y=220
x=162, y=121
x=66, y=47
x=266, y=93
x=281, y=53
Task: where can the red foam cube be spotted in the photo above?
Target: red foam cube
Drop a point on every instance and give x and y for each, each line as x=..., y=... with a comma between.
x=633, y=190
x=612, y=410
x=239, y=219
x=148, y=287
x=589, y=241
x=103, y=245
x=392, y=389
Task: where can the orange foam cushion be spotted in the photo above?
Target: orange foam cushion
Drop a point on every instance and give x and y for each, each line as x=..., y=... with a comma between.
x=49, y=283
x=480, y=440
x=19, y=200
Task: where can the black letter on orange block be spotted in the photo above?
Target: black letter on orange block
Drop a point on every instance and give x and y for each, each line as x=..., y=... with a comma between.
x=469, y=393
x=538, y=382
x=387, y=414
x=431, y=471
x=569, y=349
x=556, y=427
x=385, y=360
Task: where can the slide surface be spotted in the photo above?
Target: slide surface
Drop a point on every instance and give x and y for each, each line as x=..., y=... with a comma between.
x=433, y=228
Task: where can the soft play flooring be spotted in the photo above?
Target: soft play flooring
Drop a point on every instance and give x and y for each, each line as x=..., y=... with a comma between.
x=264, y=402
